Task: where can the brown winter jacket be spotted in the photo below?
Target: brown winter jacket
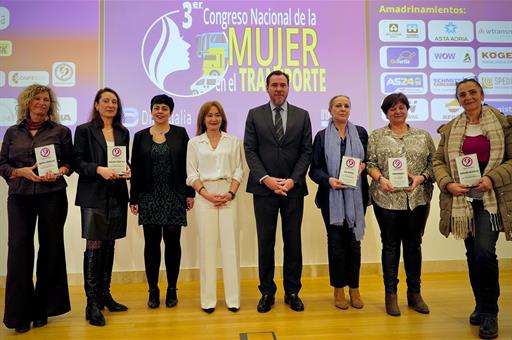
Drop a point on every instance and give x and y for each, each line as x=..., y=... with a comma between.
x=500, y=176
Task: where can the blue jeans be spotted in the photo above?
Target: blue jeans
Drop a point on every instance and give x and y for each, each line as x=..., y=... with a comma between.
x=483, y=262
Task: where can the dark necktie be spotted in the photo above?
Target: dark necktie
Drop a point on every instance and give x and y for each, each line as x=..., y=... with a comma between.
x=278, y=125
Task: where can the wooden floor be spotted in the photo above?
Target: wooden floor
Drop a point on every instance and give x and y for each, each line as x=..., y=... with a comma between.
x=447, y=294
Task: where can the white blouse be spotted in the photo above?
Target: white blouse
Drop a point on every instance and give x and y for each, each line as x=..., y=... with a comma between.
x=209, y=164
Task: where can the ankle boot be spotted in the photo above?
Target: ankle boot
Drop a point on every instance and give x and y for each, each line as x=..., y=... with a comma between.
x=488, y=326
x=108, y=262
x=339, y=298
x=392, y=304
x=355, y=298
x=171, y=299
x=415, y=301
x=92, y=286
x=154, y=298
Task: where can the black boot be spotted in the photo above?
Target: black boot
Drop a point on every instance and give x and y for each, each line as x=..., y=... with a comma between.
x=154, y=298
x=106, y=276
x=488, y=326
x=92, y=287
x=171, y=298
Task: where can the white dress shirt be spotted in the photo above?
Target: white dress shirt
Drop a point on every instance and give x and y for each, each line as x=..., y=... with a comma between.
x=209, y=164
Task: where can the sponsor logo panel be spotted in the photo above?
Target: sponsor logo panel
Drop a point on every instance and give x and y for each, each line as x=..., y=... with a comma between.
x=5, y=48
x=408, y=83
x=496, y=83
x=8, y=111
x=494, y=31
x=2, y=78
x=131, y=116
x=64, y=74
x=444, y=82
x=494, y=57
x=504, y=105
x=25, y=78
x=451, y=57
x=5, y=18
x=402, y=30
x=445, y=109
x=450, y=31
x=68, y=110
x=403, y=57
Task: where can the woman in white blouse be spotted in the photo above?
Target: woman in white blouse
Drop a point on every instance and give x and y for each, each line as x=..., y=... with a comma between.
x=214, y=170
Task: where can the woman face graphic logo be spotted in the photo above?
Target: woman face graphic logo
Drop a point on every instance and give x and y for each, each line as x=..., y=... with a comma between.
x=170, y=53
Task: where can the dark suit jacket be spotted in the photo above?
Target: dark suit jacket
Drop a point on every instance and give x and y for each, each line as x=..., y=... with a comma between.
x=319, y=174
x=89, y=152
x=289, y=158
x=142, y=166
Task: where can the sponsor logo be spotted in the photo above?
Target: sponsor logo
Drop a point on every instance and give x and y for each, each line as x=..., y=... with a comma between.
x=402, y=30
x=451, y=57
x=408, y=83
x=494, y=31
x=45, y=152
x=131, y=116
x=494, y=57
x=445, y=109
x=397, y=164
x=444, y=82
x=418, y=110
x=4, y=18
x=450, y=31
x=117, y=152
x=496, y=83
x=403, y=57
x=64, y=74
x=25, y=78
x=5, y=48
x=167, y=52
x=467, y=161
x=350, y=163
x=504, y=105
x=68, y=110
x=8, y=111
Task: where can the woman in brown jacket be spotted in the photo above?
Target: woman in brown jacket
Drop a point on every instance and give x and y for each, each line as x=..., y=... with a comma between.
x=477, y=214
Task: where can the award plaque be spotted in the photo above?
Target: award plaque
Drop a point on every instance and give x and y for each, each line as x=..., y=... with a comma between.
x=46, y=160
x=468, y=169
x=117, y=159
x=398, y=174
x=349, y=170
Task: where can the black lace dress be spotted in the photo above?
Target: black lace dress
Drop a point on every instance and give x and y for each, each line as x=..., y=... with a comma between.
x=167, y=205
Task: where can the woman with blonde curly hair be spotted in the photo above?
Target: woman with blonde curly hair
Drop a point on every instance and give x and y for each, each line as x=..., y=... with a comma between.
x=35, y=196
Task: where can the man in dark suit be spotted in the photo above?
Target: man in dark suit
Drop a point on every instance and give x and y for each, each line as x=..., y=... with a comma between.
x=278, y=149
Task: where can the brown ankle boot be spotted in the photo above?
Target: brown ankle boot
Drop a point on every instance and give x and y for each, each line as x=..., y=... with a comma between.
x=415, y=301
x=339, y=298
x=392, y=305
x=355, y=298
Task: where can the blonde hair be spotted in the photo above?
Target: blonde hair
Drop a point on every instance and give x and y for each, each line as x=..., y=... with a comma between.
x=22, y=109
x=331, y=102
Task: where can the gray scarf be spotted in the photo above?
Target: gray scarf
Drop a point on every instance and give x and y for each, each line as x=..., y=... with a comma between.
x=346, y=204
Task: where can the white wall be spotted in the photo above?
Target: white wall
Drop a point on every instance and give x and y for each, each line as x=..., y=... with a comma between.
x=129, y=253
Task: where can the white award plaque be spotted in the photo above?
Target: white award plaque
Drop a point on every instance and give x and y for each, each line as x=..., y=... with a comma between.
x=468, y=169
x=46, y=160
x=398, y=175
x=117, y=159
x=349, y=170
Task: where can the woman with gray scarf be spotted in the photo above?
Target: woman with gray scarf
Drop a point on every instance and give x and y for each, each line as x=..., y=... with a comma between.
x=477, y=214
x=343, y=206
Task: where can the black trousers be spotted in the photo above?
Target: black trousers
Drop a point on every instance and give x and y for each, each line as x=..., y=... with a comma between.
x=266, y=210
x=50, y=297
x=401, y=227
x=483, y=262
x=344, y=253
x=152, y=256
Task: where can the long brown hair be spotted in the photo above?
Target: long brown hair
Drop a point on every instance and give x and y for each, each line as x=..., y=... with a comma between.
x=203, y=111
x=117, y=121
